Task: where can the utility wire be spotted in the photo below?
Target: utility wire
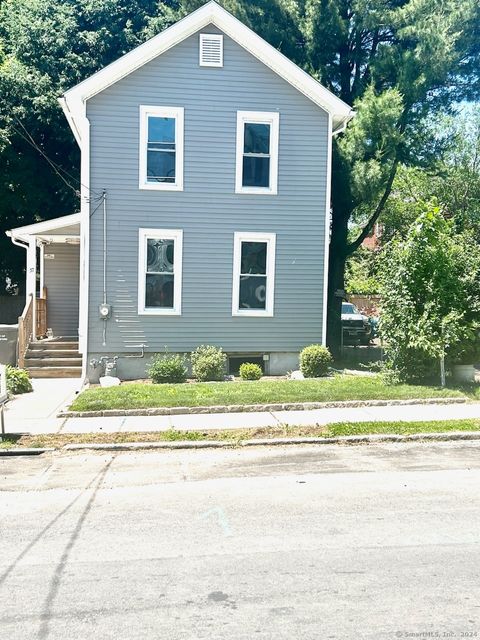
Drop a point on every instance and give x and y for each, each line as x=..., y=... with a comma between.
x=57, y=168
x=50, y=162
x=31, y=139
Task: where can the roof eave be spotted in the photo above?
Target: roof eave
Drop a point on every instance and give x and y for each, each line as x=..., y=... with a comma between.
x=45, y=226
x=210, y=13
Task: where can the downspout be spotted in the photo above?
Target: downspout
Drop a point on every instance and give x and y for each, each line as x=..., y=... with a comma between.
x=31, y=276
x=104, y=196
x=341, y=128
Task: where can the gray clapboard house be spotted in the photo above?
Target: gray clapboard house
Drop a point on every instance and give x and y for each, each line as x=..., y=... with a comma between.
x=205, y=171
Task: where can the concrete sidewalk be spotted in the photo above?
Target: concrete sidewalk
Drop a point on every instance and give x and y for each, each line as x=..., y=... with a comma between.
x=15, y=423
x=36, y=412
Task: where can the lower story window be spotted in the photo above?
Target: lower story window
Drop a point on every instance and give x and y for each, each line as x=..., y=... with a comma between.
x=253, y=274
x=160, y=271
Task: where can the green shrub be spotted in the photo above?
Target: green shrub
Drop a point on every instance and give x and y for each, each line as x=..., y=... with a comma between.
x=208, y=363
x=250, y=371
x=315, y=360
x=18, y=381
x=167, y=368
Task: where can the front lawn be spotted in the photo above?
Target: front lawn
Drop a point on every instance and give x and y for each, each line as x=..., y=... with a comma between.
x=337, y=388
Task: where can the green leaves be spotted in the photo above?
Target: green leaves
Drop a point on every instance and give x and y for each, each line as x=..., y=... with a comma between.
x=431, y=294
x=371, y=143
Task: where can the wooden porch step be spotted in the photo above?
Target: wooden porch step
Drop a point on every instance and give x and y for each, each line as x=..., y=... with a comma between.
x=51, y=353
x=55, y=372
x=53, y=362
x=47, y=345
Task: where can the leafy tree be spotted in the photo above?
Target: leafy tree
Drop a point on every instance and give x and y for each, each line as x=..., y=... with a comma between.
x=46, y=47
x=361, y=272
x=453, y=180
x=430, y=296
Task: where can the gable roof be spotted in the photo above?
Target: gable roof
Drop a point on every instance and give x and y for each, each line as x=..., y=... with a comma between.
x=73, y=101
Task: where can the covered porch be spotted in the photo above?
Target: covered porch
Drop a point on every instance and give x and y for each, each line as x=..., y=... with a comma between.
x=48, y=326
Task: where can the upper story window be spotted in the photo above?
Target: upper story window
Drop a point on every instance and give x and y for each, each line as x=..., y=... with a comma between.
x=257, y=152
x=253, y=274
x=160, y=271
x=211, y=50
x=161, y=148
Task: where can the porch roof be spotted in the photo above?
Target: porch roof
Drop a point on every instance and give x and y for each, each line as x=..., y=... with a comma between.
x=56, y=230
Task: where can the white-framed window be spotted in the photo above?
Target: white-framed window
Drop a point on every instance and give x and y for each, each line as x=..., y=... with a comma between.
x=211, y=50
x=253, y=274
x=160, y=272
x=161, y=148
x=257, y=152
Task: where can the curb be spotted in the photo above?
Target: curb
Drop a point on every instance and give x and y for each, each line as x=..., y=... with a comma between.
x=218, y=444
x=137, y=446
x=251, y=408
x=25, y=452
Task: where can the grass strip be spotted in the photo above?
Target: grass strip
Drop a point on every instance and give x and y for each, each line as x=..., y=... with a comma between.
x=333, y=430
x=332, y=389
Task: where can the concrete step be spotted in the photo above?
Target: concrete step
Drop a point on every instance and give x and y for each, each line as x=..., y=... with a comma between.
x=48, y=345
x=53, y=362
x=55, y=372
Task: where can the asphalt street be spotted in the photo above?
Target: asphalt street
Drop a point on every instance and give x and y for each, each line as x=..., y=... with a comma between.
x=377, y=541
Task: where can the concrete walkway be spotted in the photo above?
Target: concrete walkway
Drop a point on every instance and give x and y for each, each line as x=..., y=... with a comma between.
x=36, y=413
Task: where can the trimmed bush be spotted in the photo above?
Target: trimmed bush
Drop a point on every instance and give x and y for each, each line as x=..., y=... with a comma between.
x=315, y=360
x=208, y=363
x=18, y=381
x=250, y=371
x=167, y=368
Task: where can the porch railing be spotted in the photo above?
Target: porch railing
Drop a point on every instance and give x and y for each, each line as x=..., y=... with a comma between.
x=41, y=313
x=25, y=330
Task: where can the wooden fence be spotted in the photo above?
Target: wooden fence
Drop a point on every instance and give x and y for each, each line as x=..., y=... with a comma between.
x=25, y=330
x=369, y=305
x=41, y=313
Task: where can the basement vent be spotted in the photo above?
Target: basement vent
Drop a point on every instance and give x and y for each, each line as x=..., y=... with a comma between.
x=211, y=50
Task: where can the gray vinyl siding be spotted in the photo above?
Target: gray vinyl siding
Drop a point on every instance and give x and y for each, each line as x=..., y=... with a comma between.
x=61, y=278
x=208, y=210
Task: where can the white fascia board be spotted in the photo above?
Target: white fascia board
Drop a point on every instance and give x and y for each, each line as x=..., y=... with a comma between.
x=210, y=13
x=45, y=226
x=71, y=120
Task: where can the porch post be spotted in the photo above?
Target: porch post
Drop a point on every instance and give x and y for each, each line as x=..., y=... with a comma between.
x=42, y=268
x=32, y=281
x=31, y=265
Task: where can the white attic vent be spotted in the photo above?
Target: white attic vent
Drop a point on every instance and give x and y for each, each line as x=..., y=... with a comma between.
x=211, y=50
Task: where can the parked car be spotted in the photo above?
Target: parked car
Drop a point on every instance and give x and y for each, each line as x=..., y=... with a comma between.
x=356, y=327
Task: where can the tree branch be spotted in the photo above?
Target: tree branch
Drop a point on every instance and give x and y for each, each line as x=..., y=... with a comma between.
x=353, y=246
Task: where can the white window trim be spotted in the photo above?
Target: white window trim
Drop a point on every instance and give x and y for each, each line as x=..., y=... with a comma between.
x=270, y=239
x=160, y=234
x=210, y=36
x=163, y=112
x=258, y=117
